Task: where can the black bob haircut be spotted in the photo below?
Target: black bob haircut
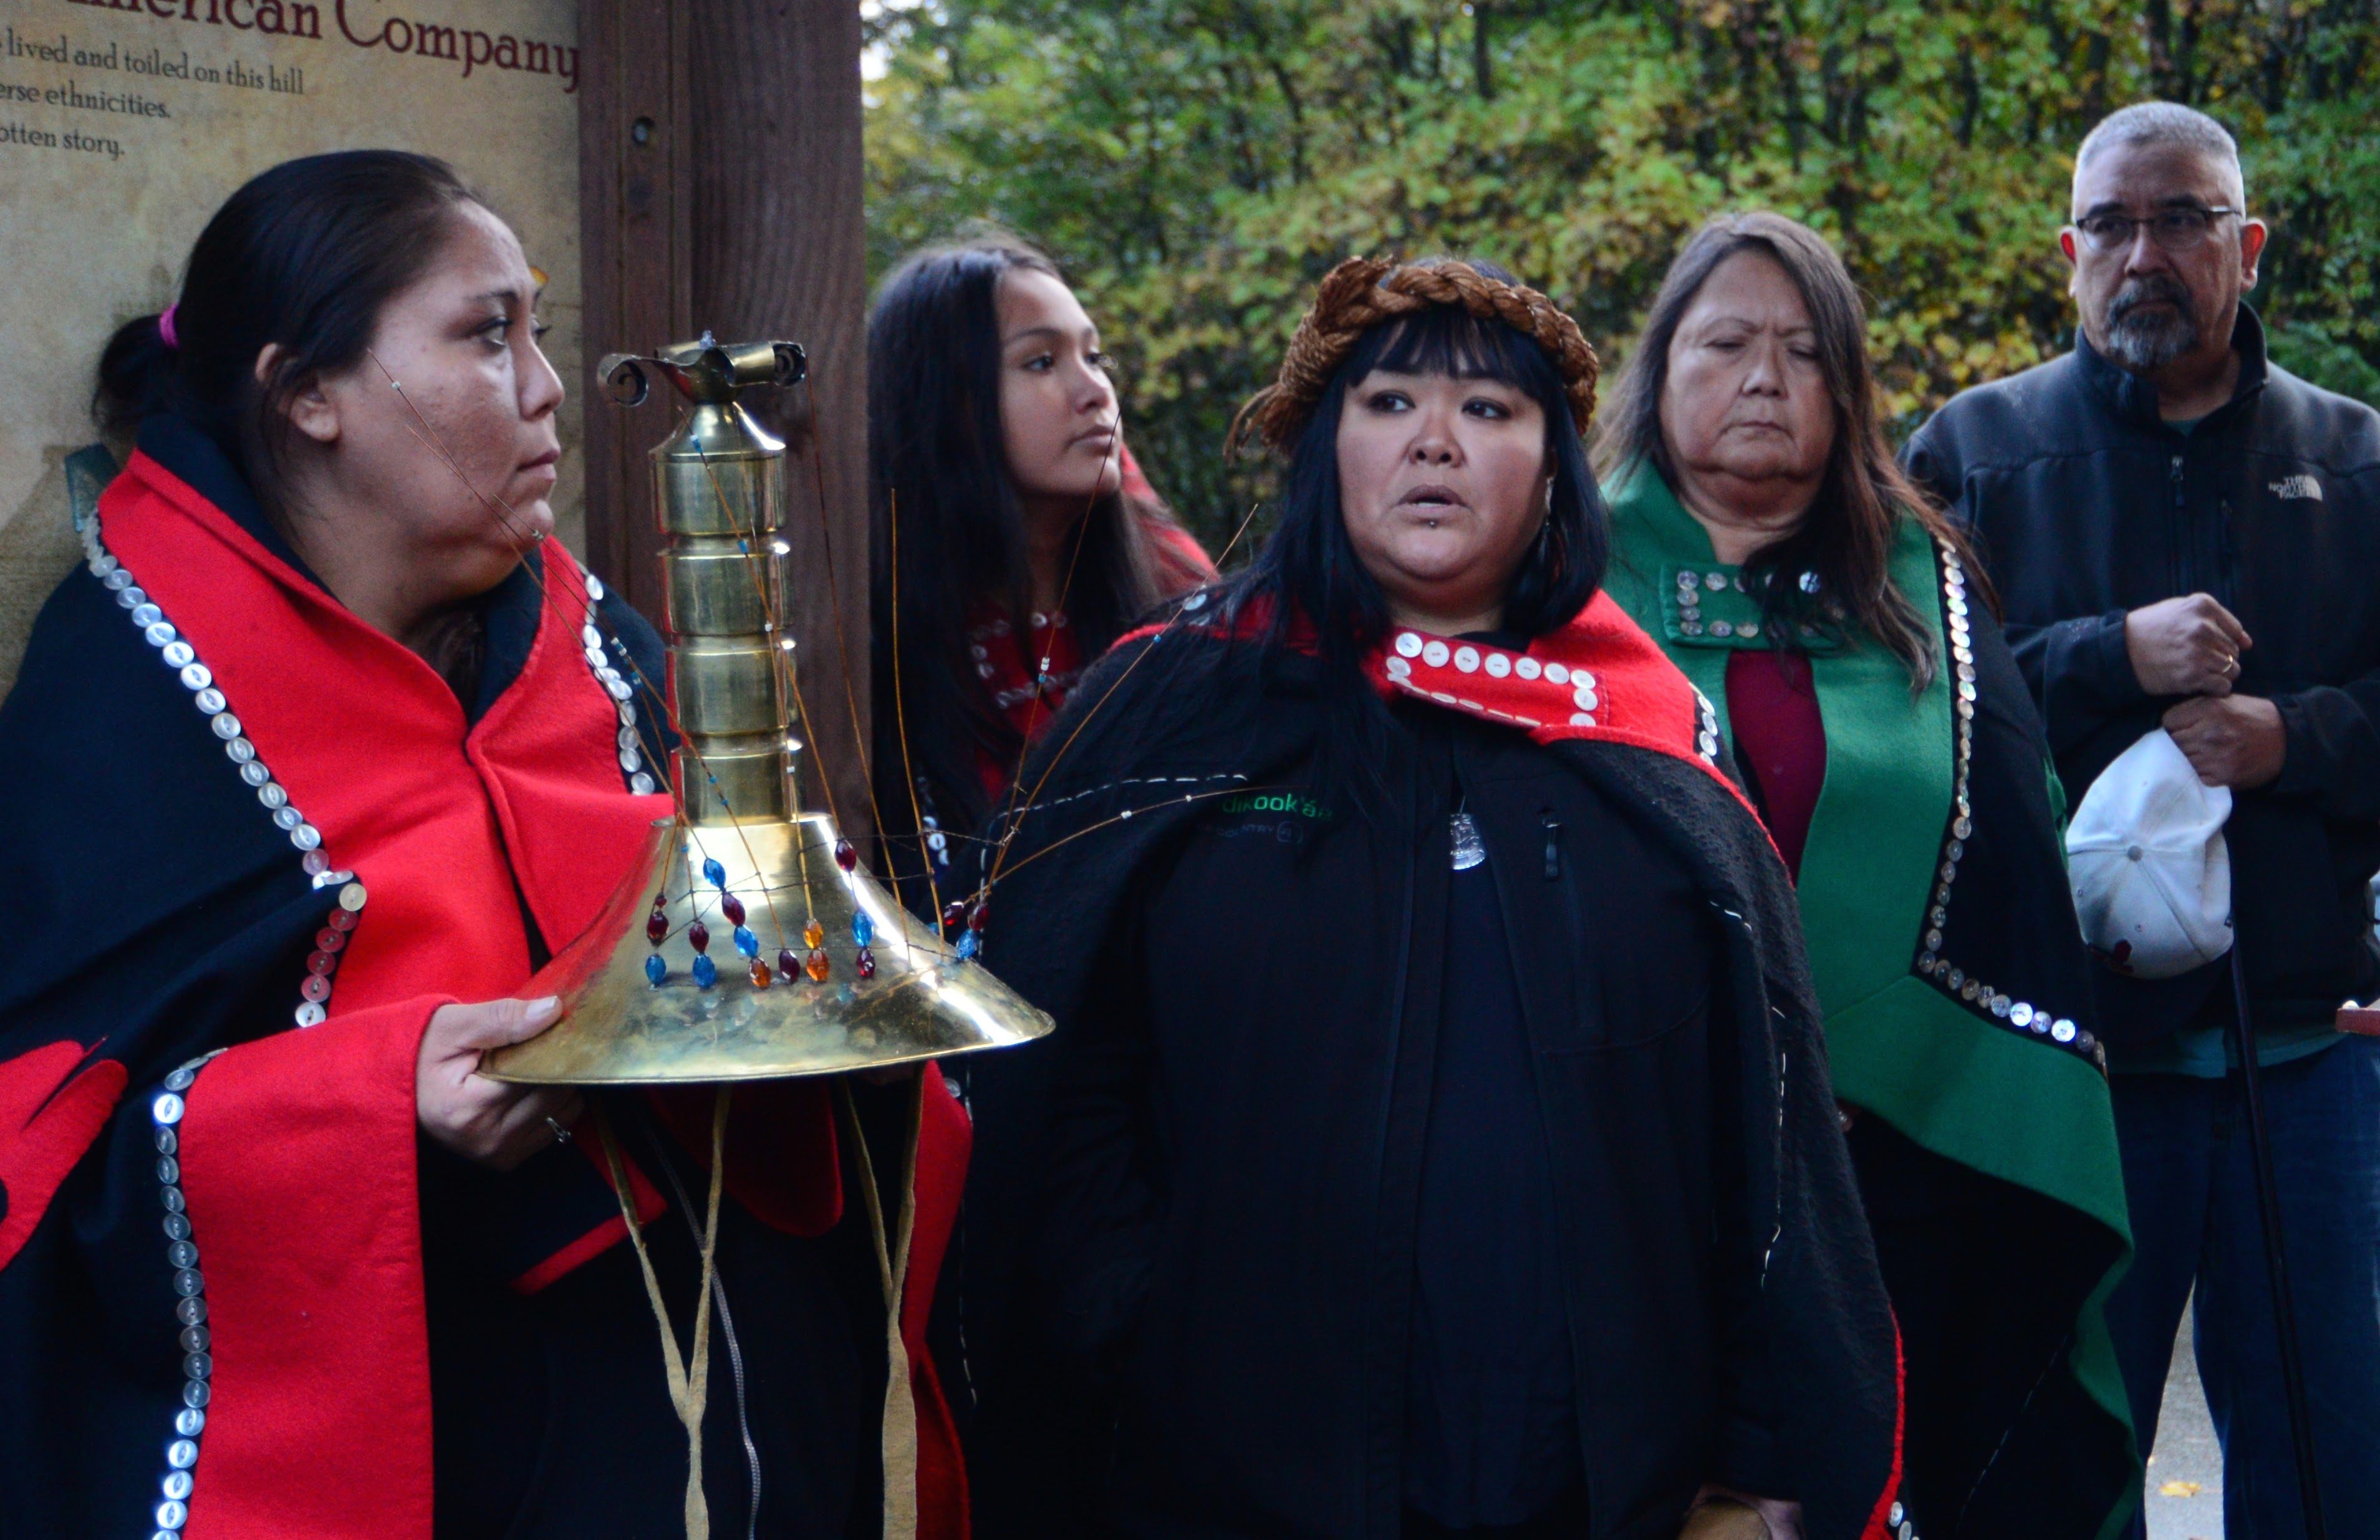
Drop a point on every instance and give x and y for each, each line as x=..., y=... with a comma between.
x=1309, y=568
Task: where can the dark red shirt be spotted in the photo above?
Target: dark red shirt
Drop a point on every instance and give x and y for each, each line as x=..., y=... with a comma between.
x=1780, y=742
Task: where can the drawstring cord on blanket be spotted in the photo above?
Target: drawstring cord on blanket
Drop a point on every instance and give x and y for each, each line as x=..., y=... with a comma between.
x=900, y=1439
x=690, y=1379
x=689, y=1384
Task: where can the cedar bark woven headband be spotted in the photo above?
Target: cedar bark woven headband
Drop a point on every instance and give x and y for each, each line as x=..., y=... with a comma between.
x=1361, y=293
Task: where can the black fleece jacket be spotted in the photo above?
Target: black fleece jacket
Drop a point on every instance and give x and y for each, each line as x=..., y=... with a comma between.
x=2087, y=505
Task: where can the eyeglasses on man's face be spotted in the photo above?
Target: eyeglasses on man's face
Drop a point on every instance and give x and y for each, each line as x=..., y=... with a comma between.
x=2175, y=229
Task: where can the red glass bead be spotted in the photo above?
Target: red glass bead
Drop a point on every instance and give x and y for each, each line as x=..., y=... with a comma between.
x=787, y=963
x=867, y=962
x=733, y=907
x=817, y=967
x=700, y=935
x=845, y=856
x=758, y=973
x=979, y=916
x=656, y=926
x=953, y=914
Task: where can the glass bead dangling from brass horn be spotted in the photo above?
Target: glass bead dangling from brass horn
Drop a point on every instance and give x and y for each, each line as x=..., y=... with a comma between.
x=645, y=1000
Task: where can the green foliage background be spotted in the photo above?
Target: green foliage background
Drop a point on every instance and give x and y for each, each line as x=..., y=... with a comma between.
x=1197, y=164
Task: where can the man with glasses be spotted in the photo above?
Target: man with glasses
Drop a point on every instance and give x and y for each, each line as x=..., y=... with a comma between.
x=2184, y=535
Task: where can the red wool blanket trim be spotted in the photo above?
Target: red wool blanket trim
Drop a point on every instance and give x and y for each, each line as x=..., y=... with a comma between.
x=52, y=1104
x=298, y=1155
x=1881, y=1524
x=1598, y=677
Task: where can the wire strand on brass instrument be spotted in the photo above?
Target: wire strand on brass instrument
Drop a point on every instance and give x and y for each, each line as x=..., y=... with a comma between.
x=900, y=717
x=1017, y=820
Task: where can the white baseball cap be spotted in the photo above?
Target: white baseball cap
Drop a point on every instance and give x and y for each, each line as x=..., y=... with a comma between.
x=2151, y=873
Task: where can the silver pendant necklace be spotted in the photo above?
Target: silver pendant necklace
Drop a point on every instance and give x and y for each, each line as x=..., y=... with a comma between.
x=1467, y=849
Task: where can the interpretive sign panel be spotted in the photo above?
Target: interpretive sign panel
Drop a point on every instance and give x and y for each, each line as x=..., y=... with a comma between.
x=124, y=123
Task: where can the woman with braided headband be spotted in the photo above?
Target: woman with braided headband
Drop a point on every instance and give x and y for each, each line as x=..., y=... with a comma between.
x=1435, y=1139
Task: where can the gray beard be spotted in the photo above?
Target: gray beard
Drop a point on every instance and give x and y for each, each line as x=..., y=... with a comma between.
x=2139, y=340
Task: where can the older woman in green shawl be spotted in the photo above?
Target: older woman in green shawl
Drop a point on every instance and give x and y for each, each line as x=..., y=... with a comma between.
x=1766, y=539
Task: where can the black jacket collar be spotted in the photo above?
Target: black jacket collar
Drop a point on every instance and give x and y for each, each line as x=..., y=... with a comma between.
x=2131, y=399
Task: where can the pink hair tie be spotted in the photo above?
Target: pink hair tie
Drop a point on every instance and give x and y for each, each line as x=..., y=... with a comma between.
x=165, y=327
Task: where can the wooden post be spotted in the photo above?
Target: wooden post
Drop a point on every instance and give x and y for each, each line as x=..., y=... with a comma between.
x=720, y=163
x=636, y=251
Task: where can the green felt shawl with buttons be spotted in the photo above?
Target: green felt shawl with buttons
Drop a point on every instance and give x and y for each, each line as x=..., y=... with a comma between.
x=1940, y=930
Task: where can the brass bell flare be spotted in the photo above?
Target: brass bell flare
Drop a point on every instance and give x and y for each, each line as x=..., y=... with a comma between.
x=620, y=1028
x=741, y=845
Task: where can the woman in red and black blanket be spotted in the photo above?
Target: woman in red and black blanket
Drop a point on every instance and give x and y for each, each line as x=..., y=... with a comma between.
x=313, y=764
x=1435, y=1139
x=1029, y=540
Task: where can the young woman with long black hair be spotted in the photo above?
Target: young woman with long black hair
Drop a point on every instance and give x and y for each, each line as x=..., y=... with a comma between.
x=1435, y=1138
x=1026, y=543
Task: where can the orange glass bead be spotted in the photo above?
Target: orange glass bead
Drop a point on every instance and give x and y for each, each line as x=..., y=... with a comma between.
x=817, y=966
x=758, y=973
x=814, y=934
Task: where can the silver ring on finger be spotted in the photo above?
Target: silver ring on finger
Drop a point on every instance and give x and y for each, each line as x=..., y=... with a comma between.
x=561, y=1134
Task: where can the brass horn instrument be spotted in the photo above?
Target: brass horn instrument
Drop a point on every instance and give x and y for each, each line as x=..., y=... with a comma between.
x=719, y=490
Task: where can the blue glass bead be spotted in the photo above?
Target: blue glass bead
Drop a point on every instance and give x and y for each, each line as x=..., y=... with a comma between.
x=706, y=971
x=656, y=970
x=969, y=944
x=713, y=873
x=745, y=942
x=863, y=930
